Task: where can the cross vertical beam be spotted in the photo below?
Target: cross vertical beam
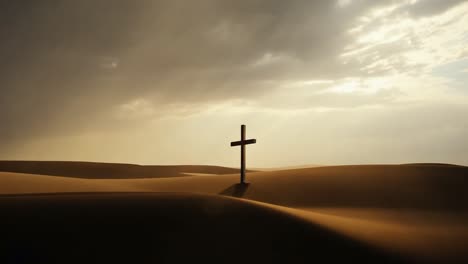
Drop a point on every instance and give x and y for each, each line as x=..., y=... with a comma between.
x=242, y=143
x=242, y=172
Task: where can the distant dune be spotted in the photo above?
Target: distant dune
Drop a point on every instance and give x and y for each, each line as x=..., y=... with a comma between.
x=414, y=212
x=432, y=164
x=382, y=186
x=95, y=170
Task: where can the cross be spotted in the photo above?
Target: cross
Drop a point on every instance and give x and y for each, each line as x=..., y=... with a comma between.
x=242, y=143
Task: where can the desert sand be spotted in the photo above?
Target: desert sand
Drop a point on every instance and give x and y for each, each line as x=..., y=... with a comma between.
x=378, y=213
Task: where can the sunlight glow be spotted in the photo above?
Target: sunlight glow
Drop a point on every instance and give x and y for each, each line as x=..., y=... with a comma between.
x=347, y=87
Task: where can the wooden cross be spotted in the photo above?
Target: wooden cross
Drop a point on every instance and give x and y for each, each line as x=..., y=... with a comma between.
x=242, y=143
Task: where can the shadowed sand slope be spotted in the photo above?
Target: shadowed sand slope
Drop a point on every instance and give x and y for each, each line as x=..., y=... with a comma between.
x=94, y=170
x=173, y=228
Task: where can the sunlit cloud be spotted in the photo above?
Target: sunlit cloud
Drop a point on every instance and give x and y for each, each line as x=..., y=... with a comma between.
x=392, y=40
x=343, y=3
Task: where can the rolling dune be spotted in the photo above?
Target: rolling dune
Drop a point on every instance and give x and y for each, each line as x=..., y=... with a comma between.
x=96, y=170
x=414, y=212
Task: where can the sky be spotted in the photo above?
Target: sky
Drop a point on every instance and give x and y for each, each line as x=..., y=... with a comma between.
x=170, y=82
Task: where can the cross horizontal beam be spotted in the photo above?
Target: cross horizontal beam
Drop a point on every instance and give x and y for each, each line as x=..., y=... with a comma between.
x=243, y=142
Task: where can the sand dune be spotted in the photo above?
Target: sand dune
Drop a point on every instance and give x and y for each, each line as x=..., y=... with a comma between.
x=419, y=211
x=20, y=183
x=439, y=236
x=173, y=228
x=95, y=170
x=375, y=186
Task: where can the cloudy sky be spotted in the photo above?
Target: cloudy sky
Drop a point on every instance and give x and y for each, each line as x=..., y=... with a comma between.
x=170, y=82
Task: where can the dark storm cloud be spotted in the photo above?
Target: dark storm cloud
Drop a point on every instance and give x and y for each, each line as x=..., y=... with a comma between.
x=54, y=54
x=67, y=64
x=50, y=51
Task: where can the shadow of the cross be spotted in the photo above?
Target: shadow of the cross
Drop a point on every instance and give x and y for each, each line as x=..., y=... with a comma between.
x=236, y=190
